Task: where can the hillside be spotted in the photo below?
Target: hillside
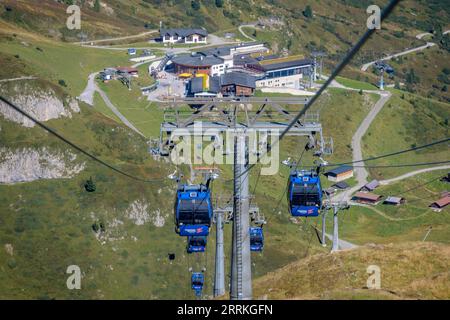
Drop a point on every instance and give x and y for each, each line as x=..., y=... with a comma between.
x=121, y=234
x=423, y=268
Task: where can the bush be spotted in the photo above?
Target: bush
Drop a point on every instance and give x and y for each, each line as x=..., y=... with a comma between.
x=62, y=83
x=90, y=185
x=97, y=5
x=12, y=264
x=195, y=4
x=308, y=13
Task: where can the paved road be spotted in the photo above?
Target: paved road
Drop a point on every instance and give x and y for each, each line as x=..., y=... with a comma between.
x=421, y=35
x=87, y=96
x=213, y=41
x=413, y=173
x=117, y=112
x=408, y=51
x=117, y=38
x=19, y=78
x=343, y=245
x=428, y=45
x=243, y=33
x=360, y=173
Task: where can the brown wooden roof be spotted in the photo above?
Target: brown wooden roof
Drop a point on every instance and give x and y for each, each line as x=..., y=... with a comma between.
x=367, y=196
x=442, y=202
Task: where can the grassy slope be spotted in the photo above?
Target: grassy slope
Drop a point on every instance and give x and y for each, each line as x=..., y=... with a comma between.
x=49, y=222
x=146, y=116
x=409, y=222
x=423, y=270
x=65, y=230
x=57, y=61
x=427, y=65
x=407, y=121
x=140, y=260
x=355, y=84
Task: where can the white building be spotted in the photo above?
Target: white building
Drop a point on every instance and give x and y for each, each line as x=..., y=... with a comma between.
x=292, y=82
x=188, y=36
x=284, y=72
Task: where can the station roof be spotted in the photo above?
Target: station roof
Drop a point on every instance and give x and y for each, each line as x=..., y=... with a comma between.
x=238, y=78
x=283, y=63
x=197, y=60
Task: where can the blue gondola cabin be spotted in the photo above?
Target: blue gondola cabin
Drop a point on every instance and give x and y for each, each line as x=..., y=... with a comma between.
x=193, y=210
x=196, y=244
x=304, y=194
x=256, y=239
x=197, y=281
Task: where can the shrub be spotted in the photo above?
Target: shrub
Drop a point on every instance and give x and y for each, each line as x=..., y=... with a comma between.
x=195, y=4
x=90, y=185
x=308, y=13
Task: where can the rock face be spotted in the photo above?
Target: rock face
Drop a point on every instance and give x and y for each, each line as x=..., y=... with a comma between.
x=41, y=104
x=140, y=214
x=26, y=164
x=137, y=212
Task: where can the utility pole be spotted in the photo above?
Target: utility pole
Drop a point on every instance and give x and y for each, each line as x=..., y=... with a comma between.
x=336, y=206
x=382, y=80
x=428, y=232
x=320, y=55
x=335, y=246
x=324, y=214
x=219, y=277
x=315, y=69
x=241, y=273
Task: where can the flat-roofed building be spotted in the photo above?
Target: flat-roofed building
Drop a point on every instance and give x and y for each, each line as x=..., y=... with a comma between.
x=283, y=72
x=340, y=173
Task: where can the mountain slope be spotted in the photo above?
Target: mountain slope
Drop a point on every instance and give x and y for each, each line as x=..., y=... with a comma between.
x=408, y=271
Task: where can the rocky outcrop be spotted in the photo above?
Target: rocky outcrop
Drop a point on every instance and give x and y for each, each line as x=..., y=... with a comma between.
x=42, y=104
x=139, y=212
x=27, y=164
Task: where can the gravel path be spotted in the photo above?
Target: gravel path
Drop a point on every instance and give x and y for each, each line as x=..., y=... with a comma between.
x=343, y=245
x=244, y=34
x=19, y=78
x=413, y=173
x=408, y=51
x=87, y=96
x=118, y=38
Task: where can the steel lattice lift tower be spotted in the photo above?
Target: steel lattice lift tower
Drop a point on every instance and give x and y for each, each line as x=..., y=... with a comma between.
x=235, y=115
